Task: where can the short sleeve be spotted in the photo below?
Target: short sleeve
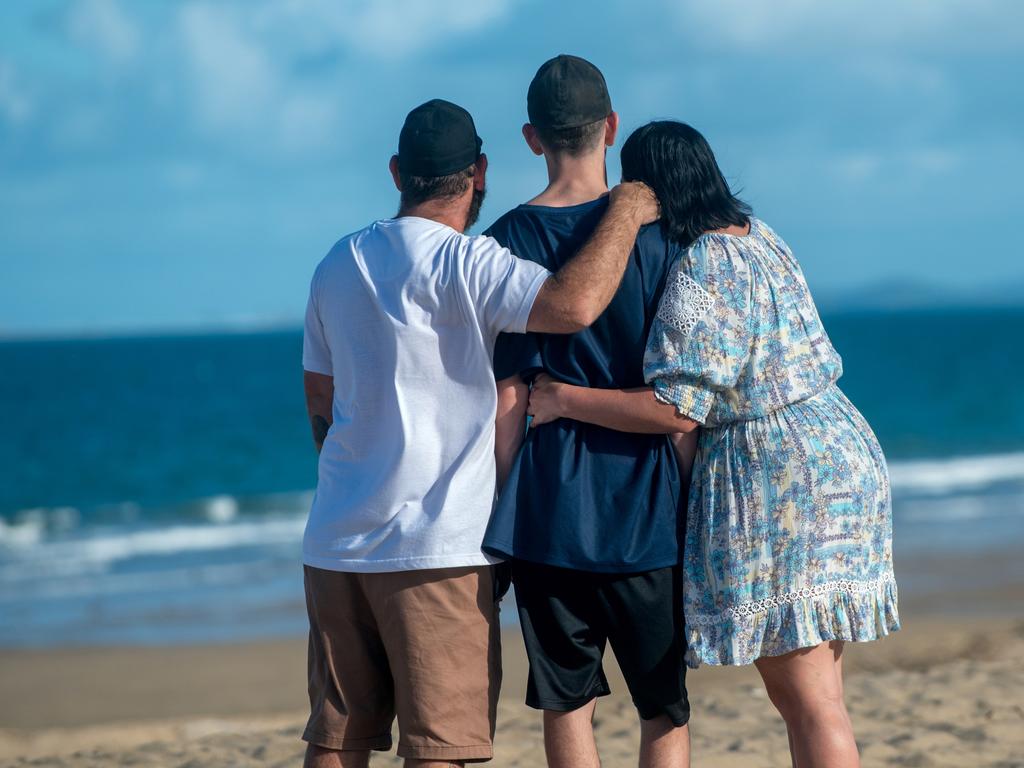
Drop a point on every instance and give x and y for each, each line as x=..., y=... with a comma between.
x=501, y=287
x=516, y=353
x=700, y=339
x=316, y=354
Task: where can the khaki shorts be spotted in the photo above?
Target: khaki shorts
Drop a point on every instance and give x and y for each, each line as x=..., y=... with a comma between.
x=424, y=646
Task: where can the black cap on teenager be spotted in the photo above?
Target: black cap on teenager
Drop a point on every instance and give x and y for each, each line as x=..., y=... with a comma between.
x=438, y=138
x=567, y=92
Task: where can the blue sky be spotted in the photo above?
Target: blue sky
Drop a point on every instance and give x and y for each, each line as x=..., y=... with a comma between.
x=184, y=164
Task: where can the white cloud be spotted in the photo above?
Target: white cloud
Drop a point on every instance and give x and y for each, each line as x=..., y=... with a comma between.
x=900, y=74
x=920, y=163
x=232, y=76
x=15, y=105
x=306, y=121
x=242, y=86
x=182, y=174
x=240, y=58
x=934, y=160
x=857, y=166
x=103, y=25
x=941, y=24
x=382, y=29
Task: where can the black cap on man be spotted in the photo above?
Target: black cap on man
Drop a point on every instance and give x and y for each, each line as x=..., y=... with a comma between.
x=438, y=139
x=439, y=157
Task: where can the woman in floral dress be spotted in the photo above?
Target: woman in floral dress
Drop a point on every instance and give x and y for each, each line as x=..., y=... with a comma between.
x=788, y=544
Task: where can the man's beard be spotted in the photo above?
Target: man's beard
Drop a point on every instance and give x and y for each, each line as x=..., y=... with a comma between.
x=474, y=207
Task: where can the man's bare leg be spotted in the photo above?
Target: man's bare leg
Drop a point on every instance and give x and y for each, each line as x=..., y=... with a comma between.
x=663, y=744
x=569, y=738
x=321, y=757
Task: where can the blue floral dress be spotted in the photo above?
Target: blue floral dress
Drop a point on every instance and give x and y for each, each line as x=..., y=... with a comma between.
x=789, y=529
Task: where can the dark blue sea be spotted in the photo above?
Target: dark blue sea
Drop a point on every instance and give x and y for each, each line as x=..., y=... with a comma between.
x=154, y=490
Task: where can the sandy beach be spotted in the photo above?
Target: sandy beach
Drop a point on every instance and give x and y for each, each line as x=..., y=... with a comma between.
x=945, y=691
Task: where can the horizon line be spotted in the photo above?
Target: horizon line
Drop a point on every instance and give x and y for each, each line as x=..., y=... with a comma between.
x=242, y=328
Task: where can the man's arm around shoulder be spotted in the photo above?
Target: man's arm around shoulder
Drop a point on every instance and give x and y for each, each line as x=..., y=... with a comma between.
x=576, y=295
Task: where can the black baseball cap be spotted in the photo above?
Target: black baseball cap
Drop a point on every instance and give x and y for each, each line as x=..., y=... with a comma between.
x=567, y=92
x=438, y=138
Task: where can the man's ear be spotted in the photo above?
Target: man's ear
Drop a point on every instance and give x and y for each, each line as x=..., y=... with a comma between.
x=480, y=175
x=532, y=140
x=611, y=128
x=393, y=167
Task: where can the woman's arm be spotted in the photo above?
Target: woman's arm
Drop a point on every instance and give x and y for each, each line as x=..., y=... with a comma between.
x=510, y=425
x=625, y=410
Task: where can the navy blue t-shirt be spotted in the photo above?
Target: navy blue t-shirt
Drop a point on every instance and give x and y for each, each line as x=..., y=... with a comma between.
x=582, y=496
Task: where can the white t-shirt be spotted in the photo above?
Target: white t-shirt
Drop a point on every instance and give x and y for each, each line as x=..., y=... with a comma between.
x=404, y=315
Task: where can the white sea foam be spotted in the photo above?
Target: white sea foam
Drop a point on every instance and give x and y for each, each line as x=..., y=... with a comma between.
x=91, y=585
x=120, y=545
x=53, y=543
x=940, y=477
x=29, y=527
x=957, y=509
x=221, y=509
x=26, y=532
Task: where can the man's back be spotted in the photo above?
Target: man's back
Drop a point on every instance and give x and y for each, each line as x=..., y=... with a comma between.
x=581, y=496
x=403, y=315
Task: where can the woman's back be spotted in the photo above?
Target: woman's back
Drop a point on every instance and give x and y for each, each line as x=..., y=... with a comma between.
x=788, y=534
x=739, y=321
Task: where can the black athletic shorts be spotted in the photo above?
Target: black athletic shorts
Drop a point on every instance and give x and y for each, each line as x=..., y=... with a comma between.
x=568, y=616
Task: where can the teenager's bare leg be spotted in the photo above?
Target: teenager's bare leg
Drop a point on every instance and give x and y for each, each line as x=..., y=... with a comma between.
x=663, y=744
x=569, y=738
x=806, y=687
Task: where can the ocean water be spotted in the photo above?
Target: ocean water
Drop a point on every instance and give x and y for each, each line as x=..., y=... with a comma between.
x=154, y=490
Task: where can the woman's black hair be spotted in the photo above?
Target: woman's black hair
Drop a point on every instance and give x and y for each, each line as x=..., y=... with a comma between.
x=676, y=162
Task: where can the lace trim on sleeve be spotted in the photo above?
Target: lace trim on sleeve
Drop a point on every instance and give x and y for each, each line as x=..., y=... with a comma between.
x=684, y=303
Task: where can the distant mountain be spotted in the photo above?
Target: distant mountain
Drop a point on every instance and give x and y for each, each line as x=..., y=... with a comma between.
x=894, y=294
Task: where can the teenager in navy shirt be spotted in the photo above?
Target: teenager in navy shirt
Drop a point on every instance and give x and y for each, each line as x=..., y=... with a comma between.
x=590, y=517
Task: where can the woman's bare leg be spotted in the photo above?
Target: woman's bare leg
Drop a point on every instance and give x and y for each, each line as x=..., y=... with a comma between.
x=792, y=749
x=806, y=687
x=837, y=648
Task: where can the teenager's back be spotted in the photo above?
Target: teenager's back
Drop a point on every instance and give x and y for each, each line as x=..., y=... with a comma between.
x=582, y=496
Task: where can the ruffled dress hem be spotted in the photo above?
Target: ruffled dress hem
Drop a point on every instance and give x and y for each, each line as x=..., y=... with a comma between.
x=853, y=611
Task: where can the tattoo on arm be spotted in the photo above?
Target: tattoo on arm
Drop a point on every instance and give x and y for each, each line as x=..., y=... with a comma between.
x=320, y=427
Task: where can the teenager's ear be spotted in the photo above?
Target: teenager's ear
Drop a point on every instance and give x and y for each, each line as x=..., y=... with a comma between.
x=480, y=175
x=393, y=167
x=611, y=128
x=532, y=140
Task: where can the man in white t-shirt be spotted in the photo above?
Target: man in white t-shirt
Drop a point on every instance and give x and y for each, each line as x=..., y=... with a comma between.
x=400, y=331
